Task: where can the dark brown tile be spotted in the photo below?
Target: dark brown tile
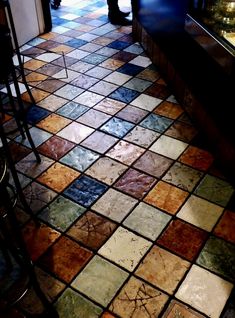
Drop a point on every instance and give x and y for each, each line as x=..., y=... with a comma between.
x=124, y=56
x=226, y=226
x=65, y=259
x=92, y=230
x=153, y=164
x=33, y=52
x=158, y=90
x=135, y=183
x=18, y=151
x=55, y=147
x=132, y=114
x=182, y=131
x=47, y=45
x=49, y=69
x=51, y=85
x=183, y=239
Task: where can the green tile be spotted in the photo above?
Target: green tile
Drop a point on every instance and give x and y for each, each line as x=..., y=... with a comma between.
x=73, y=305
x=215, y=190
x=219, y=256
x=100, y=280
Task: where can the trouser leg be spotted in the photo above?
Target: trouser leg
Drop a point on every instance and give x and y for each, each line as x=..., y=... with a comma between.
x=113, y=6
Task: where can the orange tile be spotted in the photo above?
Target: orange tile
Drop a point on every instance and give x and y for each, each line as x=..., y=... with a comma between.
x=53, y=123
x=35, y=77
x=34, y=64
x=169, y=109
x=49, y=35
x=226, y=227
x=62, y=48
x=197, y=158
x=37, y=94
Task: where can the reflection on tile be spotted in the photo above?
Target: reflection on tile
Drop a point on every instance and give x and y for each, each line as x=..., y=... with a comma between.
x=125, y=248
x=137, y=84
x=52, y=102
x=162, y=269
x=139, y=298
x=69, y=91
x=115, y=205
x=204, y=291
x=100, y=280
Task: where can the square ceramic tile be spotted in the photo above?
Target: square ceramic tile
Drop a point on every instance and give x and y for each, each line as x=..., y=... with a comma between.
x=111, y=64
x=77, y=54
x=138, y=84
x=99, y=142
x=93, y=118
x=84, y=81
x=75, y=132
x=197, y=158
x=200, y=212
x=135, y=183
x=181, y=131
x=115, y=205
x=125, y=152
x=91, y=47
x=117, y=127
x=55, y=147
x=69, y=91
x=52, y=102
x=94, y=58
x=125, y=248
x=134, y=48
x=124, y=95
x=48, y=57
x=147, y=221
x=141, y=136
x=98, y=72
x=53, y=123
x=219, y=257
x=139, y=298
x=141, y=61
x=156, y=123
x=166, y=197
x=66, y=76
x=146, y=102
x=106, y=51
x=162, y=269
x=117, y=78
x=109, y=106
x=81, y=66
x=177, y=308
x=88, y=99
x=204, y=291
x=215, y=190
x=130, y=69
x=132, y=114
x=58, y=177
x=100, y=280
x=183, y=239
x=103, y=88
x=168, y=109
x=72, y=110
x=79, y=158
x=38, y=135
x=61, y=213
x=168, y=147
x=92, y=230
x=183, y=176
x=225, y=227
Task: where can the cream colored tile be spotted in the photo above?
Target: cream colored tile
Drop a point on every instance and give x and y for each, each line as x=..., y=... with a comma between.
x=169, y=147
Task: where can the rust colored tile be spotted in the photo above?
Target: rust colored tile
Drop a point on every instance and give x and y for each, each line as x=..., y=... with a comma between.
x=51, y=85
x=148, y=75
x=153, y=164
x=65, y=259
x=33, y=65
x=183, y=239
x=158, y=90
x=38, y=238
x=55, y=147
x=135, y=183
x=178, y=310
x=197, y=158
x=37, y=94
x=182, y=131
x=58, y=177
x=166, y=197
x=35, y=77
x=49, y=35
x=107, y=315
x=92, y=230
x=124, y=56
x=18, y=151
x=53, y=123
x=226, y=226
x=169, y=109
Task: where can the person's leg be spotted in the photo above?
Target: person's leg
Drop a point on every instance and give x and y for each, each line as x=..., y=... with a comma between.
x=115, y=15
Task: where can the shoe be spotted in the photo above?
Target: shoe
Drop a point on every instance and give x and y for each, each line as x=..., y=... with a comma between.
x=120, y=20
x=124, y=14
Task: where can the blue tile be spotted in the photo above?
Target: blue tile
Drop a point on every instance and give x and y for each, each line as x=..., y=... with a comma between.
x=72, y=110
x=76, y=42
x=124, y=95
x=119, y=45
x=35, y=114
x=80, y=158
x=94, y=58
x=117, y=127
x=85, y=191
x=130, y=69
x=156, y=122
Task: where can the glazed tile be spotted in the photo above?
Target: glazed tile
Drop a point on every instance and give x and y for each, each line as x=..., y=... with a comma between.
x=100, y=280
x=84, y=81
x=106, y=51
x=99, y=170
x=169, y=109
x=69, y=91
x=18, y=151
x=38, y=237
x=99, y=141
x=225, y=227
x=132, y=114
x=115, y=205
x=85, y=191
x=130, y=69
x=141, y=136
x=103, y=88
x=109, y=106
x=52, y=103
x=79, y=158
x=156, y=123
x=61, y=213
x=37, y=196
x=158, y=90
x=125, y=248
x=124, y=56
x=65, y=259
x=38, y=135
x=89, y=99
x=72, y=110
x=183, y=239
x=119, y=45
x=200, y=212
x=117, y=127
x=48, y=57
x=124, y=95
x=51, y=85
x=219, y=257
x=98, y=72
x=125, y=152
x=181, y=131
x=135, y=183
x=81, y=66
x=93, y=118
x=141, y=61
x=117, y=78
x=94, y=58
x=111, y=64
x=153, y=164
x=168, y=147
x=146, y=102
x=102, y=40
x=91, y=47
x=53, y=123
x=92, y=230
x=137, y=84
x=147, y=221
x=182, y=176
x=75, y=132
x=197, y=158
x=76, y=43
x=176, y=308
x=148, y=74
x=139, y=298
x=55, y=147
x=215, y=190
x=135, y=48
x=204, y=291
x=162, y=269
x=49, y=69
x=33, y=64
x=34, y=78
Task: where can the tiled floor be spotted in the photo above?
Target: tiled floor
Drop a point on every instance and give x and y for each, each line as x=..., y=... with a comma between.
x=136, y=220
